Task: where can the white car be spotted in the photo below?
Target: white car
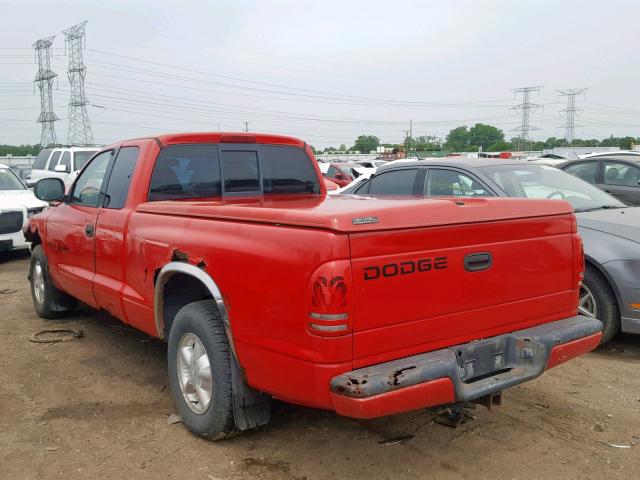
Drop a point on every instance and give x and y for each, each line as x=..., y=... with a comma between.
x=62, y=163
x=17, y=204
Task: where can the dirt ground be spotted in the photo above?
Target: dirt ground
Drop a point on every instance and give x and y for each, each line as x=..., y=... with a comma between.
x=97, y=407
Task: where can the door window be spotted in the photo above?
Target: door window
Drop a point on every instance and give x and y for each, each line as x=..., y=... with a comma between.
x=396, y=182
x=332, y=172
x=66, y=161
x=54, y=160
x=620, y=173
x=86, y=190
x=587, y=171
x=443, y=182
x=120, y=178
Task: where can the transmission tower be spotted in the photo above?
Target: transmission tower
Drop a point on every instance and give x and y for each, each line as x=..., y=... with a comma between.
x=526, y=107
x=79, y=125
x=571, y=112
x=44, y=79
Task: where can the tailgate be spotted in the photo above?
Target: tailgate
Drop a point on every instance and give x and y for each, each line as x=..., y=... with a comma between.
x=421, y=289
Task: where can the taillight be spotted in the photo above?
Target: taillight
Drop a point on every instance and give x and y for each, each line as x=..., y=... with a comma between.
x=329, y=304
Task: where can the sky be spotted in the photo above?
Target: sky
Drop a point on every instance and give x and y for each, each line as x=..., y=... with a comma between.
x=326, y=71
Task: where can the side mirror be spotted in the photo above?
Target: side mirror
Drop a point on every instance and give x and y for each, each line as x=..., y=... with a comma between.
x=61, y=168
x=49, y=189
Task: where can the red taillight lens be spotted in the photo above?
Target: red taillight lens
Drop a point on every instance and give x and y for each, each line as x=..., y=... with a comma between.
x=329, y=306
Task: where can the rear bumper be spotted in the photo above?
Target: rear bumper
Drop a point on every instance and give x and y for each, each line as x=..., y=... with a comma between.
x=462, y=372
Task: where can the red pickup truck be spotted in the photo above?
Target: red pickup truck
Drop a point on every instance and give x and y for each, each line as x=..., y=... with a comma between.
x=227, y=247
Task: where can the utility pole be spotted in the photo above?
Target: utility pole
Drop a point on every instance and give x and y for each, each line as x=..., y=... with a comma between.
x=526, y=107
x=246, y=126
x=79, y=126
x=411, y=129
x=570, y=112
x=44, y=79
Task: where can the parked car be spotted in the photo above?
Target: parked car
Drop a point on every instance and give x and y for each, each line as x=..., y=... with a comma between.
x=17, y=204
x=610, y=232
x=338, y=173
x=618, y=175
x=227, y=246
x=63, y=163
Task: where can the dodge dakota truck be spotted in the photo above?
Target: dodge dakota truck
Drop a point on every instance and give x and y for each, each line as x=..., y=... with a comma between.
x=227, y=247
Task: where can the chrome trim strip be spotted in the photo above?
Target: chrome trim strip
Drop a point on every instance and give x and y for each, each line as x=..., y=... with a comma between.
x=328, y=328
x=329, y=317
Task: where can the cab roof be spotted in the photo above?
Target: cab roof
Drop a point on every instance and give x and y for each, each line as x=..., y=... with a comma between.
x=225, y=137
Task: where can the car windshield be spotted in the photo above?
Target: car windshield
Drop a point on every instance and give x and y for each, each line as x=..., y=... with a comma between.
x=543, y=181
x=9, y=180
x=81, y=157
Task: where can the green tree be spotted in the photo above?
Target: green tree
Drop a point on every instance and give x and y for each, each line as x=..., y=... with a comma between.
x=366, y=143
x=457, y=139
x=500, y=147
x=343, y=148
x=482, y=135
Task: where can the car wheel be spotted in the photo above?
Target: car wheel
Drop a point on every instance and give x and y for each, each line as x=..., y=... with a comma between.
x=199, y=361
x=597, y=300
x=48, y=301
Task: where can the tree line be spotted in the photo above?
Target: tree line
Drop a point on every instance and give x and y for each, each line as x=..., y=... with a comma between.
x=480, y=136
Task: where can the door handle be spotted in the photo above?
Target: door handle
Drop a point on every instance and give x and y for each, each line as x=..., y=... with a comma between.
x=475, y=262
x=89, y=230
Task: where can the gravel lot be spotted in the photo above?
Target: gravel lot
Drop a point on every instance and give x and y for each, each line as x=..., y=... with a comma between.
x=97, y=407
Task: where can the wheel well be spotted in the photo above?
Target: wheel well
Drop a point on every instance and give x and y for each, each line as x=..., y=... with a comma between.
x=607, y=280
x=180, y=290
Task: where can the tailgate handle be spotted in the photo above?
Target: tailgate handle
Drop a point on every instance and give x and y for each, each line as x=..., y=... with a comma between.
x=475, y=262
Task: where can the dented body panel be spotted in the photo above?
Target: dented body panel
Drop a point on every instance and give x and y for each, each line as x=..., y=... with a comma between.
x=311, y=287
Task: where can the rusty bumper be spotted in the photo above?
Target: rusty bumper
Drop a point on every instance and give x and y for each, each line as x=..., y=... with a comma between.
x=462, y=372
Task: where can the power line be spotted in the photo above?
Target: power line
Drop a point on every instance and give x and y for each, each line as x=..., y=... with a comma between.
x=526, y=108
x=44, y=79
x=79, y=126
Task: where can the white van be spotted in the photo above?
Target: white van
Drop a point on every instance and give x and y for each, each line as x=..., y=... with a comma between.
x=63, y=163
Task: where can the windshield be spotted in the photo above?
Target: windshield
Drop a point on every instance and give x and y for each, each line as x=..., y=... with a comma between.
x=81, y=158
x=9, y=180
x=543, y=181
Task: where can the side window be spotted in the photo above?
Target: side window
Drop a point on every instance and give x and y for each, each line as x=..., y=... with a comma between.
x=186, y=171
x=120, y=177
x=396, y=182
x=443, y=182
x=587, y=171
x=619, y=173
x=287, y=170
x=66, y=161
x=40, y=163
x=332, y=172
x=240, y=171
x=54, y=160
x=86, y=190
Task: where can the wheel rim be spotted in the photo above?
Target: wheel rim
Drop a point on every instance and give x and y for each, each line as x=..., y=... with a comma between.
x=587, y=304
x=194, y=373
x=38, y=282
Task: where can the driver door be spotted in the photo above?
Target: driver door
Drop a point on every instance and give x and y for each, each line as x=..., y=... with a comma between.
x=71, y=231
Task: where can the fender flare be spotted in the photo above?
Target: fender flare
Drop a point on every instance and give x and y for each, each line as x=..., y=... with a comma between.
x=199, y=274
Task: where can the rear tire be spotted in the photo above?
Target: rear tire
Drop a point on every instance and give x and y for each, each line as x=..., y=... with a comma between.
x=48, y=301
x=598, y=300
x=199, y=363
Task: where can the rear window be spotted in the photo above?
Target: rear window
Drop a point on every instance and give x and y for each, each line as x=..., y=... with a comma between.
x=395, y=182
x=41, y=160
x=194, y=171
x=186, y=171
x=287, y=170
